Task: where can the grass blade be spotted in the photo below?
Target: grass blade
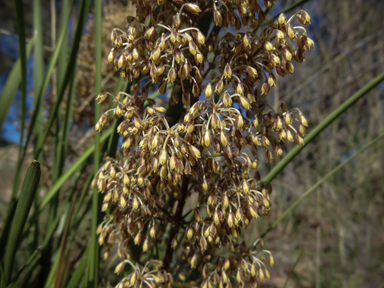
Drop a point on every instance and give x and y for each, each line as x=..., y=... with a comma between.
x=94, y=251
x=320, y=127
x=18, y=74
x=28, y=191
x=23, y=65
x=38, y=61
x=47, y=79
x=12, y=85
x=85, y=6
x=73, y=168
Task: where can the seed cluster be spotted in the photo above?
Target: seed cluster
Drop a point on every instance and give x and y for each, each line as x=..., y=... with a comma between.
x=207, y=156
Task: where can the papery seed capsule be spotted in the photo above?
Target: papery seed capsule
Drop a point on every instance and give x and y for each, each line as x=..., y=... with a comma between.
x=264, y=88
x=239, y=278
x=217, y=18
x=203, y=243
x=224, y=276
x=223, y=138
x=176, y=20
x=244, y=102
x=163, y=157
x=204, y=185
x=200, y=38
x=195, y=90
x=193, y=48
x=208, y=90
x=265, y=141
x=194, y=152
x=253, y=212
x=304, y=18
x=174, y=242
x=239, y=214
x=207, y=138
x=261, y=274
x=291, y=33
x=246, y=41
x=271, y=80
x=102, y=97
x=268, y=46
x=193, y=8
x=227, y=72
x=105, y=206
x=230, y=219
x=172, y=162
x=275, y=60
x=120, y=267
x=194, y=261
x=113, y=36
x=290, y=67
x=245, y=187
x=302, y=119
x=152, y=231
x=135, y=203
x=240, y=88
x=225, y=201
x=155, y=54
x=288, y=119
x=216, y=217
x=106, y=255
x=146, y=245
x=252, y=72
x=279, y=36
x=282, y=20
x=138, y=238
x=219, y=86
x=133, y=279
x=197, y=214
x=215, y=122
x=171, y=75
x=227, y=100
x=299, y=140
x=302, y=130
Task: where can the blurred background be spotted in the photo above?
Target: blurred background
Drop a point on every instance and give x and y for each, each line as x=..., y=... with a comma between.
x=334, y=238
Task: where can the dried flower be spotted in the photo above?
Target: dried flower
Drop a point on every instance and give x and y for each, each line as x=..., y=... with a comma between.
x=168, y=159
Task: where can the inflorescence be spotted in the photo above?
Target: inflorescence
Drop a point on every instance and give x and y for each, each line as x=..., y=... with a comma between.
x=203, y=161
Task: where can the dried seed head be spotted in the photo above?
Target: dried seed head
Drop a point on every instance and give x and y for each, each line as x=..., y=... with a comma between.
x=193, y=8
x=227, y=72
x=217, y=18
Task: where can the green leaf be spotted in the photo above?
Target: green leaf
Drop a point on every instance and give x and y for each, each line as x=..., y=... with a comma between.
x=28, y=191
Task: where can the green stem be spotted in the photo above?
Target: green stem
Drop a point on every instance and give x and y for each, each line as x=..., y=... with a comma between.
x=319, y=128
x=94, y=251
x=28, y=191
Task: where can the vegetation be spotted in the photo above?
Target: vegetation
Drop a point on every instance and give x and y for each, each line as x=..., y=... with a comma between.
x=182, y=176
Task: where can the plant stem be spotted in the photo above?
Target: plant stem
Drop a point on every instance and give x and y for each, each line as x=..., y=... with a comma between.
x=176, y=218
x=324, y=124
